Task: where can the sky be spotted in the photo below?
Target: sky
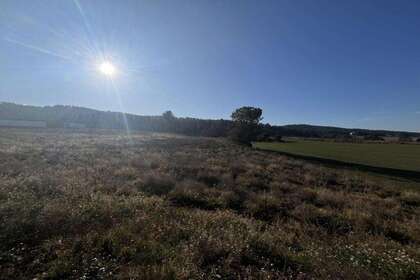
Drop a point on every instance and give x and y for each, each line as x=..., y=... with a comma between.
x=340, y=63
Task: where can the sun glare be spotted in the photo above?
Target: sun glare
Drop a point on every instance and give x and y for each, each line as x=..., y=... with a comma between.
x=107, y=68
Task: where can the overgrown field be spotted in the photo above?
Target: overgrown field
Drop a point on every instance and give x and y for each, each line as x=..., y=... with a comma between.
x=396, y=156
x=102, y=206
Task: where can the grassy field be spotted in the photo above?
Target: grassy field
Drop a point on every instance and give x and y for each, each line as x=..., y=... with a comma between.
x=100, y=205
x=396, y=156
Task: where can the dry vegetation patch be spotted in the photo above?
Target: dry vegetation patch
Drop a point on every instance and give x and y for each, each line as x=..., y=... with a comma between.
x=101, y=206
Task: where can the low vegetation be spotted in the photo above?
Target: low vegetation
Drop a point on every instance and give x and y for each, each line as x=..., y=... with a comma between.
x=101, y=205
x=396, y=156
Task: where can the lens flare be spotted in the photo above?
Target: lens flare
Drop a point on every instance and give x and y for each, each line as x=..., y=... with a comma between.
x=107, y=68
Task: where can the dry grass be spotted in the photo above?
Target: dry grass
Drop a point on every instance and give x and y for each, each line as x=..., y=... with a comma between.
x=100, y=206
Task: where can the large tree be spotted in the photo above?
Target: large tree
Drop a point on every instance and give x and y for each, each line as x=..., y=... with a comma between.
x=168, y=115
x=245, y=124
x=248, y=115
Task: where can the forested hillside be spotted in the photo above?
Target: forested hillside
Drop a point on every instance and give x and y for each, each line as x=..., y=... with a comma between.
x=57, y=116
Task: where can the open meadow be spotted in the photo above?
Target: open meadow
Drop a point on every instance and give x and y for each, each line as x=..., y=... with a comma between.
x=101, y=205
x=392, y=155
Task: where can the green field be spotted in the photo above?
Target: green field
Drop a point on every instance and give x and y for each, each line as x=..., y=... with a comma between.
x=396, y=156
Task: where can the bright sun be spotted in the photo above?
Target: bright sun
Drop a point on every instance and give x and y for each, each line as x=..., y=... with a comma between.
x=107, y=68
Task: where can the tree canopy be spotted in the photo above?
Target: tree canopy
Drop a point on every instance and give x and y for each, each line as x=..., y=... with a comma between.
x=168, y=115
x=248, y=115
x=246, y=124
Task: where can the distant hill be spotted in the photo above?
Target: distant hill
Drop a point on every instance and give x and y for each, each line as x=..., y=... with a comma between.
x=60, y=116
x=331, y=131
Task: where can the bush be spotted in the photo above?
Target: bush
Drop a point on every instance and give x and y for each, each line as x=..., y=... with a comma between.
x=210, y=253
x=196, y=195
x=157, y=185
x=410, y=199
x=209, y=178
x=333, y=199
x=263, y=252
x=332, y=223
x=265, y=207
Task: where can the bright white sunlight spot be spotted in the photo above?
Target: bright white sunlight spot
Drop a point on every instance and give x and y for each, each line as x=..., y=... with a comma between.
x=107, y=68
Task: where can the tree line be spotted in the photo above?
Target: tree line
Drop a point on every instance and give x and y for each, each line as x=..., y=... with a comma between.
x=245, y=124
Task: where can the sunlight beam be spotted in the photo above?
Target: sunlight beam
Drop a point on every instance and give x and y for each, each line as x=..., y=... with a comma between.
x=35, y=48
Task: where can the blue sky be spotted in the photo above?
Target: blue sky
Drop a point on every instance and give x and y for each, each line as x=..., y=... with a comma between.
x=342, y=63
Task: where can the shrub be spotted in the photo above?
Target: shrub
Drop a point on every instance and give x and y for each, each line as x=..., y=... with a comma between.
x=397, y=235
x=252, y=182
x=208, y=178
x=157, y=184
x=265, y=207
x=235, y=199
x=210, y=253
x=196, y=195
x=410, y=199
x=263, y=252
x=333, y=199
x=126, y=173
x=332, y=223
